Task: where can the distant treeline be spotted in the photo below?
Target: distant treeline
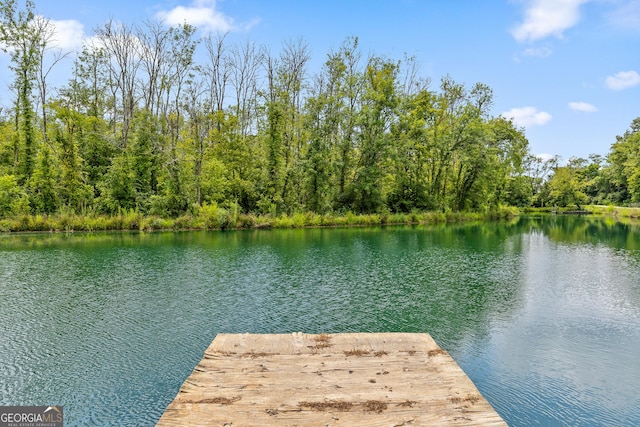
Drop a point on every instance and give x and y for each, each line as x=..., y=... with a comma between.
x=157, y=121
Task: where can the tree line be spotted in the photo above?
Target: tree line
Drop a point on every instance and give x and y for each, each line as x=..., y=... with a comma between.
x=160, y=121
x=610, y=180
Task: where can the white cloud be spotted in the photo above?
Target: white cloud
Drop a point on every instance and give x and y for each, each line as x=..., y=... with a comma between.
x=537, y=52
x=533, y=52
x=583, y=106
x=544, y=18
x=69, y=34
x=527, y=116
x=121, y=35
x=64, y=34
x=204, y=15
x=623, y=80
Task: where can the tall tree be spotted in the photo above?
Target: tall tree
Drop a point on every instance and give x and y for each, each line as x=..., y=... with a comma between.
x=292, y=85
x=317, y=166
x=565, y=187
x=506, y=176
x=274, y=146
x=473, y=148
x=410, y=153
x=182, y=49
x=198, y=139
x=284, y=131
x=154, y=39
x=73, y=193
x=82, y=108
x=123, y=50
x=539, y=171
x=245, y=63
x=379, y=102
x=22, y=41
x=624, y=160
x=346, y=66
x=45, y=32
x=217, y=70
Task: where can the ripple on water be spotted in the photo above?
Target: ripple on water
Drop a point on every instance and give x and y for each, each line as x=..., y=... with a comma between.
x=121, y=325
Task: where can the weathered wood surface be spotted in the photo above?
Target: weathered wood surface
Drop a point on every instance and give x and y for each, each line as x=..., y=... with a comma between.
x=360, y=379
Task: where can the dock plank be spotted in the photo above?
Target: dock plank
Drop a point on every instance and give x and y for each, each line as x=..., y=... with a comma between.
x=357, y=379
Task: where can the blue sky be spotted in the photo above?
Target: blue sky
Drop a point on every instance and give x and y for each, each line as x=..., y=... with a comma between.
x=568, y=71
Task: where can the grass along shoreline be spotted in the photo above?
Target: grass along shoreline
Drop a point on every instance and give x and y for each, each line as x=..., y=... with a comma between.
x=605, y=210
x=212, y=217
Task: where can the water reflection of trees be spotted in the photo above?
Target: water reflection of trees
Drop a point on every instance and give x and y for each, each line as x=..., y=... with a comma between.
x=586, y=229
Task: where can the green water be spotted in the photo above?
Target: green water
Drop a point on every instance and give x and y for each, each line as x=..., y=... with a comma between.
x=543, y=314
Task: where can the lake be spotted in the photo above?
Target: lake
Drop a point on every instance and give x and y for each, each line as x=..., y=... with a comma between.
x=542, y=313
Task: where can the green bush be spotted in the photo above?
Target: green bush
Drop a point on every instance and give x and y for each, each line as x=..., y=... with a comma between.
x=13, y=199
x=184, y=222
x=246, y=221
x=283, y=221
x=299, y=220
x=208, y=215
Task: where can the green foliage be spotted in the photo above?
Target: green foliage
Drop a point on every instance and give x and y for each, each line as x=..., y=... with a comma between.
x=624, y=170
x=596, y=180
x=215, y=184
x=117, y=189
x=23, y=41
x=231, y=168
x=13, y=199
x=43, y=183
x=164, y=143
x=565, y=188
x=377, y=112
x=142, y=157
x=211, y=216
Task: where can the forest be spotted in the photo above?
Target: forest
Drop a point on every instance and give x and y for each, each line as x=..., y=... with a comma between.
x=158, y=121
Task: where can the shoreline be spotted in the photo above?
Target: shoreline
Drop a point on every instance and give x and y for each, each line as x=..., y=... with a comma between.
x=221, y=219
x=215, y=218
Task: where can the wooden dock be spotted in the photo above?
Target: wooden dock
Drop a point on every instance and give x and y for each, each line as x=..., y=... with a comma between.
x=360, y=379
